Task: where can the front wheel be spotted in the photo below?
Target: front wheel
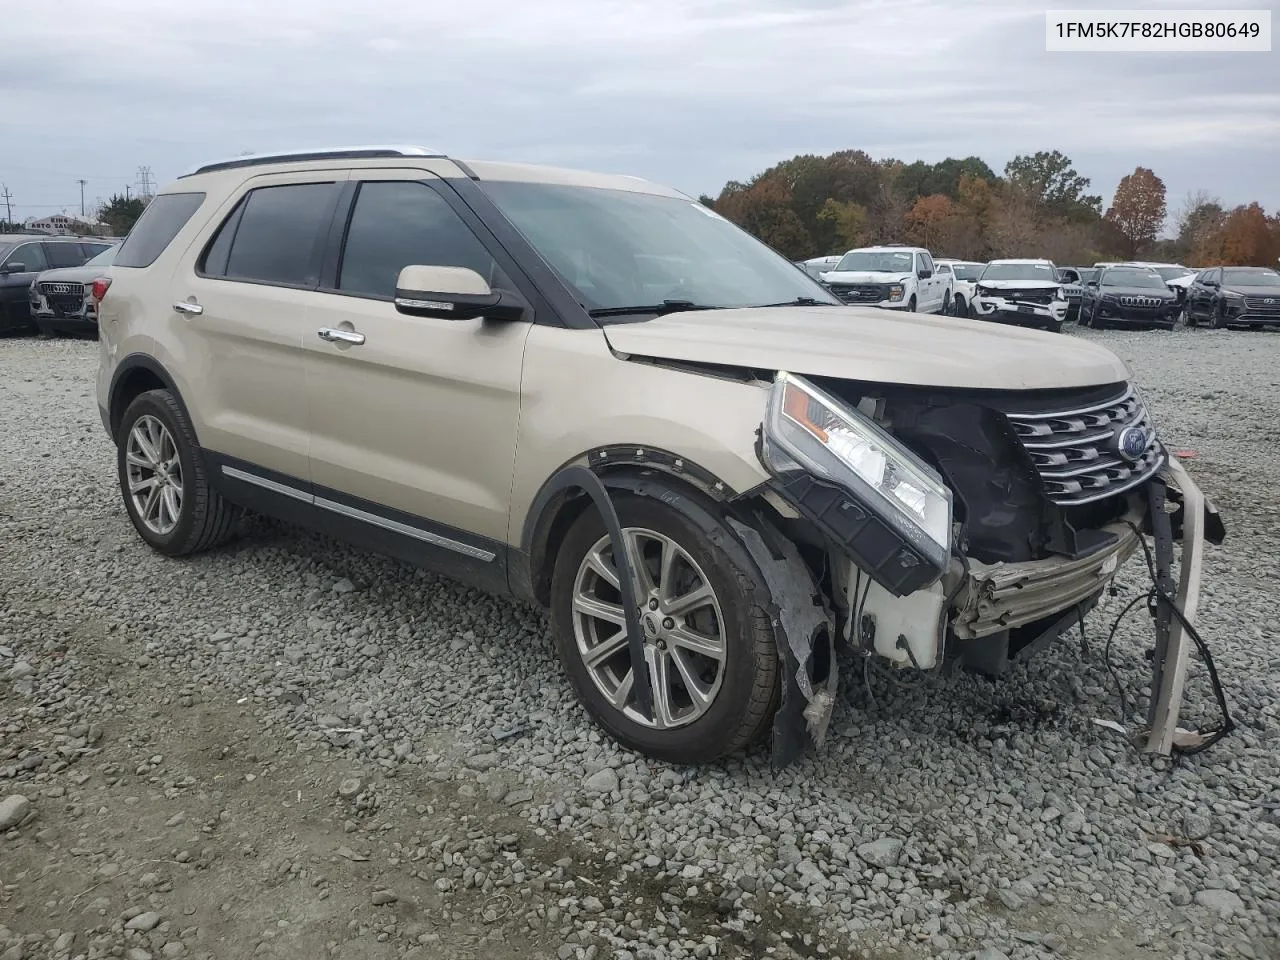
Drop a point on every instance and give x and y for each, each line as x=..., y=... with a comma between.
x=163, y=480
x=709, y=648
x=911, y=304
x=1217, y=319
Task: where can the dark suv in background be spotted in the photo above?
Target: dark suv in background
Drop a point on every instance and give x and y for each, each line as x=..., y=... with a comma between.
x=1235, y=296
x=22, y=258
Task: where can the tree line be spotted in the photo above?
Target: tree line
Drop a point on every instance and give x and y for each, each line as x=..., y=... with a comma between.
x=1040, y=207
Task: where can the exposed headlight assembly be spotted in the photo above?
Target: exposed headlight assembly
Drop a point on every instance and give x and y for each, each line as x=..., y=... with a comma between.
x=887, y=507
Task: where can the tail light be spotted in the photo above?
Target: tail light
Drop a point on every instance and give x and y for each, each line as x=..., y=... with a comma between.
x=100, y=288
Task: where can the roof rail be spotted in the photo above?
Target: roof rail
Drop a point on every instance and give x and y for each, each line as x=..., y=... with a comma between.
x=371, y=152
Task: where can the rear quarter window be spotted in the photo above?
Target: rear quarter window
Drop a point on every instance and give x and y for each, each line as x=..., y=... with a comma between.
x=159, y=224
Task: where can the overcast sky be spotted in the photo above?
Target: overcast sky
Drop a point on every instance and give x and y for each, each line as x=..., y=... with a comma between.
x=689, y=92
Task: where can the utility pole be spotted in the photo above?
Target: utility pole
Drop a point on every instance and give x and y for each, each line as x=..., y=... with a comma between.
x=126, y=191
x=8, y=204
x=82, y=183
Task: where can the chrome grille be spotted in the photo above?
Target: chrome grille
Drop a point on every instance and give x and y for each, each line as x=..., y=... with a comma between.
x=860, y=292
x=1263, y=304
x=1078, y=452
x=1148, y=302
x=61, y=289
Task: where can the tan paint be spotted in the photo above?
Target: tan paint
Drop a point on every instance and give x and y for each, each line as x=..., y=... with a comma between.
x=880, y=346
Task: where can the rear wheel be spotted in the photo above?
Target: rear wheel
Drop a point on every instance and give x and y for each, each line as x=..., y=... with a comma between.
x=163, y=479
x=709, y=649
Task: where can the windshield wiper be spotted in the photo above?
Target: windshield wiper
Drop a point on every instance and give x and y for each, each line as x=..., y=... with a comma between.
x=667, y=306
x=797, y=302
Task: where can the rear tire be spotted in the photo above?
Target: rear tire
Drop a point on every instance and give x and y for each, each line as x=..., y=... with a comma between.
x=164, y=481
x=739, y=690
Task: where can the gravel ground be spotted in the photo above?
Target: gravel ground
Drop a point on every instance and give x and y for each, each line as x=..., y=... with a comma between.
x=292, y=748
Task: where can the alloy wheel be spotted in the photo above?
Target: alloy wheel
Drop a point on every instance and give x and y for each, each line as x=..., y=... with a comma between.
x=153, y=470
x=684, y=642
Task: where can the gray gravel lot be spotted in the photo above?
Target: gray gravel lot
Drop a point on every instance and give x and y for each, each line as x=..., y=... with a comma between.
x=289, y=747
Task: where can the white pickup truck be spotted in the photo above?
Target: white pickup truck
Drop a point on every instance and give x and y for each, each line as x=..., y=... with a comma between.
x=894, y=277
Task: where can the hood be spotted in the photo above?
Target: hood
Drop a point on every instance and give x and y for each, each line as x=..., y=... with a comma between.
x=865, y=276
x=72, y=274
x=1252, y=291
x=878, y=346
x=1021, y=284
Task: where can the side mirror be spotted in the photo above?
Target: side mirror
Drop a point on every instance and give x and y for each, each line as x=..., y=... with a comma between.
x=1211, y=283
x=924, y=274
x=453, y=293
x=14, y=266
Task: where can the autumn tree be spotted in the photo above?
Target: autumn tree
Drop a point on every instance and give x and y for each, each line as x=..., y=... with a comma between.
x=1049, y=181
x=1200, y=216
x=1247, y=237
x=1138, y=209
x=763, y=208
x=929, y=220
x=847, y=221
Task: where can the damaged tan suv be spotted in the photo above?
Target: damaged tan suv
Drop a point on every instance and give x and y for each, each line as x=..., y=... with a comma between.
x=596, y=393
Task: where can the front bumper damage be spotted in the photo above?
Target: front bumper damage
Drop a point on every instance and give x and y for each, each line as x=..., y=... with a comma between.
x=986, y=600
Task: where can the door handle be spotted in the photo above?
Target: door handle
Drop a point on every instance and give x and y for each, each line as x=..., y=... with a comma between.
x=189, y=308
x=330, y=335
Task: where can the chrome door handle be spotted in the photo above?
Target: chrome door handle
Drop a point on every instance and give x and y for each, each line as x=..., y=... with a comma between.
x=187, y=307
x=330, y=335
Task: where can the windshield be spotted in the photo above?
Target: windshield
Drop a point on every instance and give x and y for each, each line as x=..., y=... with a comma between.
x=875, y=261
x=619, y=248
x=1171, y=273
x=967, y=271
x=104, y=259
x=1251, y=278
x=1019, y=271
x=1088, y=273
x=1136, y=277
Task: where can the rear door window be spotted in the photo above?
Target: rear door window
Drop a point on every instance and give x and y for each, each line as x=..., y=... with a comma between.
x=274, y=236
x=156, y=228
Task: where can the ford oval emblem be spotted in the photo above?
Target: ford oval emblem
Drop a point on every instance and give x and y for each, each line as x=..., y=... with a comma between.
x=1133, y=442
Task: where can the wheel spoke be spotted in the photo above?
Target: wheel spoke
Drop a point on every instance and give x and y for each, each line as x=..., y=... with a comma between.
x=660, y=687
x=712, y=647
x=605, y=649
x=699, y=596
x=619, y=697
x=133, y=460
x=698, y=692
x=152, y=502
x=170, y=506
x=603, y=568
x=599, y=609
x=146, y=446
x=635, y=552
x=666, y=571
x=138, y=486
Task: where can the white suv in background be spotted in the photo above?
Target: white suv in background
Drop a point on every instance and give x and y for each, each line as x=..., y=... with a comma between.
x=893, y=277
x=964, y=274
x=1023, y=292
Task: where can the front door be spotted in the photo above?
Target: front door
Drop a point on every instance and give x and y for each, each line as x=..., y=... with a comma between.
x=414, y=427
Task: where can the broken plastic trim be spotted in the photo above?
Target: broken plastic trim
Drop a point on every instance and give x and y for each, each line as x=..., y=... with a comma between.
x=586, y=481
x=800, y=622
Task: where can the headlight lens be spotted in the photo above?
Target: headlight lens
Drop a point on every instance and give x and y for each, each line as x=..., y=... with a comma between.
x=808, y=430
x=895, y=292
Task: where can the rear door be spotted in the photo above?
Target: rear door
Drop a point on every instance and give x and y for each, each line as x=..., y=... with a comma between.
x=930, y=292
x=240, y=305
x=414, y=428
x=23, y=263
